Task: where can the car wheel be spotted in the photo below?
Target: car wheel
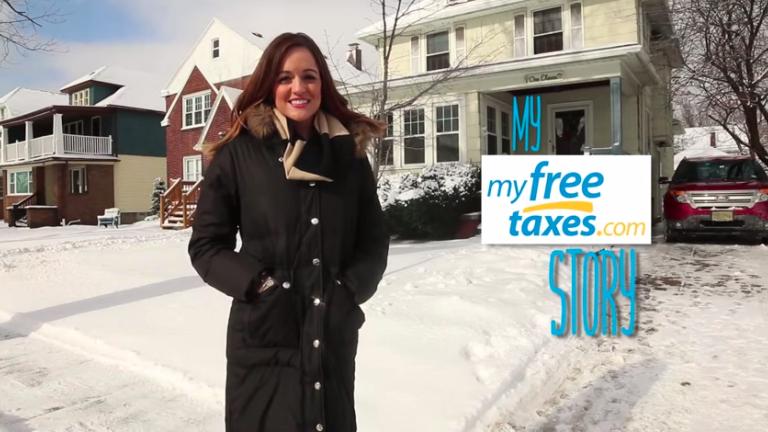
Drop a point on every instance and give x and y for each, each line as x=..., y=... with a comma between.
x=671, y=237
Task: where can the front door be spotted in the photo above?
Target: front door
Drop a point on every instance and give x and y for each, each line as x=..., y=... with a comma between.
x=570, y=131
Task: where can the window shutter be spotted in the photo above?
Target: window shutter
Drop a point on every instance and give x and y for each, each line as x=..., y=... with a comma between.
x=460, y=46
x=415, y=55
x=519, y=36
x=577, y=32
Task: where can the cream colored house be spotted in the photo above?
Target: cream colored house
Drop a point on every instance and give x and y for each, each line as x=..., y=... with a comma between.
x=596, y=73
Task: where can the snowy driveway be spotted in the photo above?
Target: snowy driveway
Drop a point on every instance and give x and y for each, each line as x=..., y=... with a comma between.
x=107, y=329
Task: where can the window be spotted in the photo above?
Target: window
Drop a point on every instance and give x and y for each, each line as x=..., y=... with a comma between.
x=20, y=182
x=460, y=46
x=82, y=98
x=193, y=168
x=415, y=55
x=74, y=128
x=520, y=50
x=547, y=31
x=196, y=109
x=577, y=35
x=215, y=48
x=447, y=133
x=96, y=126
x=413, y=136
x=386, y=155
x=78, y=180
x=437, y=51
x=506, y=147
x=490, y=125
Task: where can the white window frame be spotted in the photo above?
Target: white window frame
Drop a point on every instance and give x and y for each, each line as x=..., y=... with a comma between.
x=457, y=132
x=78, y=125
x=447, y=31
x=553, y=109
x=202, y=110
x=82, y=97
x=82, y=187
x=12, y=182
x=563, y=28
x=215, y=48
x=198, y=174
x=422, y=135
x=500, y=107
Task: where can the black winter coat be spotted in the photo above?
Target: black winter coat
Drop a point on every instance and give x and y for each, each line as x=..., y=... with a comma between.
x=291, y=350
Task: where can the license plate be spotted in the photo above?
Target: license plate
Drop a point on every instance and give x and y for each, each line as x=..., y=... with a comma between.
x=722, y=216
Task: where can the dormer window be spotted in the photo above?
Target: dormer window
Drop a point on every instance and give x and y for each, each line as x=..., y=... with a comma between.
x=82, y=98
x=215, y=48
x=438, y=54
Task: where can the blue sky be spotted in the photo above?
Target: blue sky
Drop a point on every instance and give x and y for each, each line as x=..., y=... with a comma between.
x=156, y=35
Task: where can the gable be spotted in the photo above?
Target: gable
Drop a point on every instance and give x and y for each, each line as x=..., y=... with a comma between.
x=196, y=82
x=237, y=57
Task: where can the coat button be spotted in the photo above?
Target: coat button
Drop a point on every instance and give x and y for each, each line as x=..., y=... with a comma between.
x=280, y=159
x=316, y=302
x=286, y=284
x=311, y=184
x=317, y=385
x=319, y=427
x=314, y=221
x=316, y=261
x=316, y=343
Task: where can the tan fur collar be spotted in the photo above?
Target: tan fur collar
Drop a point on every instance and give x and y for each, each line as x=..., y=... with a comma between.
x=261, y=121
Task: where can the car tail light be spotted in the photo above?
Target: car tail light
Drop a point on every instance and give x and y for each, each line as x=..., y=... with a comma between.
x=679, y=195
x=762, y=195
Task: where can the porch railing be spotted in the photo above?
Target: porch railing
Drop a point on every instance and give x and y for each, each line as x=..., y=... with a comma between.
x=179, y=202
x=615, y=149
x=46, y=146
x=90, y=145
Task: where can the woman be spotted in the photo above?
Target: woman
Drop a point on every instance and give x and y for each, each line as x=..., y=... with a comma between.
x=292, y=177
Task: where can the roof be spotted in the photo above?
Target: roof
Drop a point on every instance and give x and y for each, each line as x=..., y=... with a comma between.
x=20, y=100
x=699, y=150
x=227, y=67
x=427, y=11
x=228, y=94
x=138, y=89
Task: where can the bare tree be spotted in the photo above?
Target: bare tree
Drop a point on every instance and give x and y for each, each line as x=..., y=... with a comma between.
x=397, y=18
x=19, y=26
x=725, y=72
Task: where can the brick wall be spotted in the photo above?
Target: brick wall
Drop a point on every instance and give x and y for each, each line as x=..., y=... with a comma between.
x=100, y=195
x=179, y=142
x=219, y=125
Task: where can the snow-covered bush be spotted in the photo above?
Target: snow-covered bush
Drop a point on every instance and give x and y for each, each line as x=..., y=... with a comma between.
x=158, y=189
x=428, y=205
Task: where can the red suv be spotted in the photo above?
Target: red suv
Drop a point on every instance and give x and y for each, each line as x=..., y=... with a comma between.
x=717, y=196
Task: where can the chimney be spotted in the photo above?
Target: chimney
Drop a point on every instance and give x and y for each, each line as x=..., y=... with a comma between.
x=713, y=139
x=355, y=56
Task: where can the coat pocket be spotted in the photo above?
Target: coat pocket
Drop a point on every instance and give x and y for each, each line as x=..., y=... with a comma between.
x=271, y=320
x=356, y=314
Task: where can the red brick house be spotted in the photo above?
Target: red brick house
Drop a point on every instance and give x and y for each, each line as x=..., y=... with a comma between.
x=199, y=100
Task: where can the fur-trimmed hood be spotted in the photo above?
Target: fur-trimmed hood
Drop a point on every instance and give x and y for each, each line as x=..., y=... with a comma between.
x=263, y=121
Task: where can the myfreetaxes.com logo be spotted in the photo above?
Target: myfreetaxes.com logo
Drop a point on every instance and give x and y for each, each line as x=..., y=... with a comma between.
x=566, y=199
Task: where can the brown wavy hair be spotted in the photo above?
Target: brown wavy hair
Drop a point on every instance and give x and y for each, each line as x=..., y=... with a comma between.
x=261, y=85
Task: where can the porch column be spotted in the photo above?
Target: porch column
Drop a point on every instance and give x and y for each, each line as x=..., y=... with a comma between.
x=58, y=137
x=616, y=115
x=28, y=136
x=3, y=144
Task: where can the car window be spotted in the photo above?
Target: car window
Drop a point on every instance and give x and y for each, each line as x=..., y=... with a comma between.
x=718, y=170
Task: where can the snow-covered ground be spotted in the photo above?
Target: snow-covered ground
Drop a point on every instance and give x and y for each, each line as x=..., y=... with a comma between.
x=111, y=329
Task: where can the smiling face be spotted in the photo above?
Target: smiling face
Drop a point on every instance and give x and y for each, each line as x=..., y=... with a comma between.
x=297, y=89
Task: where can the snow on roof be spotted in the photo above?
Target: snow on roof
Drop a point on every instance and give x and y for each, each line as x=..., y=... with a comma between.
x=702, y=136
x=698, y=150
x=346, y=74
x=427, y=11
x=138, y=89
x=20, y=101
x=230, y=94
